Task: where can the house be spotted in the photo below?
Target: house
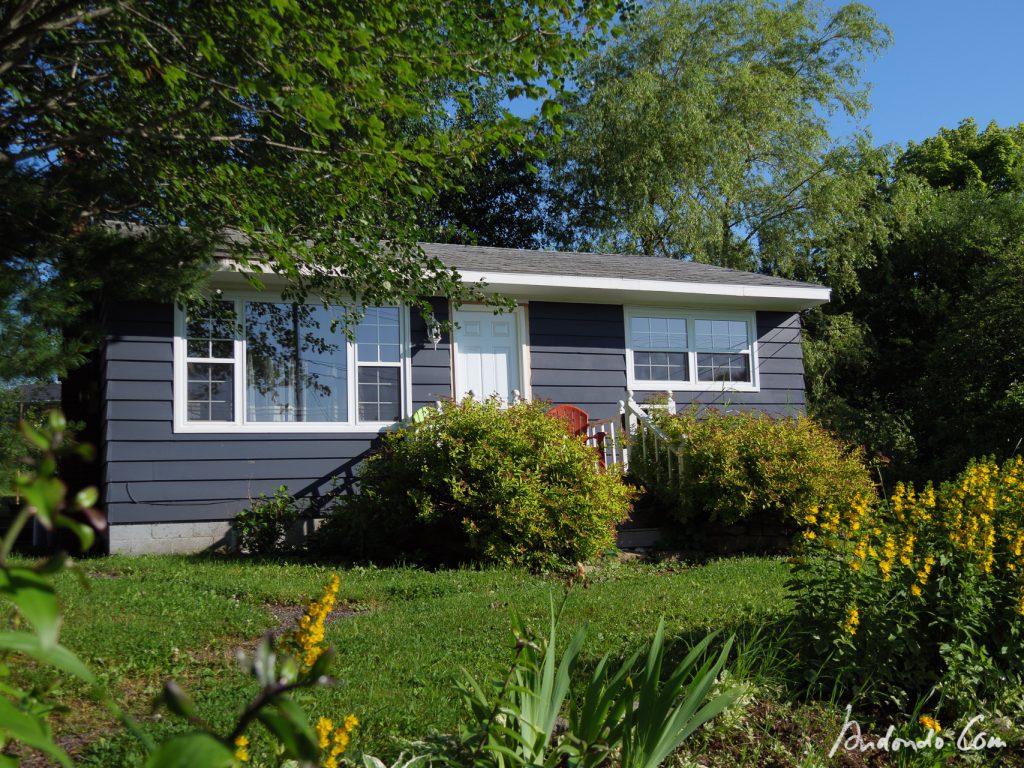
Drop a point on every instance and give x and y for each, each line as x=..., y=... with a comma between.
x=196, y=419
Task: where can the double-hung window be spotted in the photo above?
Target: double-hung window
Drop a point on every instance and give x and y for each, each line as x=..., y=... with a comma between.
x=252, y=364
x=677, y=350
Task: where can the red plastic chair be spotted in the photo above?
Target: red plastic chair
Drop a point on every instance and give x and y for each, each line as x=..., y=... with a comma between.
x=576, y=421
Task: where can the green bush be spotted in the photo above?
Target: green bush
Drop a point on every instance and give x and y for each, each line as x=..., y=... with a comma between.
x=742, y=466
x=477, y=483
x=262, y=527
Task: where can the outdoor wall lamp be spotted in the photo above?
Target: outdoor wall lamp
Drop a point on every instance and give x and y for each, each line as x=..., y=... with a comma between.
x=433, y=330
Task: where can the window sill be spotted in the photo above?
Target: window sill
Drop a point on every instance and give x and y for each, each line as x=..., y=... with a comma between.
x=278, y=428
x=670, y=386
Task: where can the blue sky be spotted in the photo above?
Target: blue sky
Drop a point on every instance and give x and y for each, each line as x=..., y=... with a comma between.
x=950, y=59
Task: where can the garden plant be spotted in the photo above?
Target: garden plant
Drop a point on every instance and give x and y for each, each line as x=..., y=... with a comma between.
x=281, y=667
x=739, y=466
x=919, y=598
x=475, y=482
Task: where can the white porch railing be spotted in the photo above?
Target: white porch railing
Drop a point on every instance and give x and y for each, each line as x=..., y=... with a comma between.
x=634, y=430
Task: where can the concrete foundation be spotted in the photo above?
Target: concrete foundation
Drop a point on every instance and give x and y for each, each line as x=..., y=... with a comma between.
x=167, y=538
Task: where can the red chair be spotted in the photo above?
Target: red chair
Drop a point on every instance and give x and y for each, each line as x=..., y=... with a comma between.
x=576, y=421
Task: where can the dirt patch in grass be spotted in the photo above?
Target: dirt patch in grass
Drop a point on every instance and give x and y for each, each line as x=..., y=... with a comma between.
x=288, y=615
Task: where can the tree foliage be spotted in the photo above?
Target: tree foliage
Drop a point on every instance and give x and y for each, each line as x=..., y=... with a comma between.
x=924, y=364
x=501, y=200
x=314, y=132
x=703, y=133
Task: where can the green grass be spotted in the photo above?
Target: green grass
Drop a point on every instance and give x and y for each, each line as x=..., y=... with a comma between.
x=142, y=620
x=406, y=638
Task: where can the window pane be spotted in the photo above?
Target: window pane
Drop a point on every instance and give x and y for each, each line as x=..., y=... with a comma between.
x=723, y=367
x=721, y=335
x=660, y=366
x=296, y=369
x=210, y=330
x=379, y=394
x=666, y=333
x=211, y=388
x=379, y=336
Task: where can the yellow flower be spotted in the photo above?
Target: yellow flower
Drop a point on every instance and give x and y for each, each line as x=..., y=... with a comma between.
x=810, y=535
x=886, y=568
x=306, y=641
x=852, y=621
x=334, y=741
x=324, y=726
x=930, y=723
x=241, y=749
x=915, y=590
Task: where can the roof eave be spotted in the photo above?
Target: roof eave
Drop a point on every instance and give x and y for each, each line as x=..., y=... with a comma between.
x=598, y=289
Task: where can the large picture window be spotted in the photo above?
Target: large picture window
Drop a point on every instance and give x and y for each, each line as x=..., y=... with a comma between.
x=271, y=365
x=675, y=349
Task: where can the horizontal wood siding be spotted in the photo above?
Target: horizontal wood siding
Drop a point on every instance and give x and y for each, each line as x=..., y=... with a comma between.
x=152, y=475
x=781, y=372
x=578, y=355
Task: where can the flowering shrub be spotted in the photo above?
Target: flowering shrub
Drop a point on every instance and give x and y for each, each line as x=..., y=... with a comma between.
x=738, y=466
x=475, y=482
x=926, y=590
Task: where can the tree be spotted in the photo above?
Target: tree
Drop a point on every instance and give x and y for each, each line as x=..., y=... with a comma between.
x=932, y=372
x=501, y=200
x=313, y=132
x=702, y=133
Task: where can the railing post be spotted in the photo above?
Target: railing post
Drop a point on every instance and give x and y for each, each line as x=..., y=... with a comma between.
x=671, y=404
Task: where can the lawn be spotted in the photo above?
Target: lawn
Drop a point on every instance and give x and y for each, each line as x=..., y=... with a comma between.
x=404, y=636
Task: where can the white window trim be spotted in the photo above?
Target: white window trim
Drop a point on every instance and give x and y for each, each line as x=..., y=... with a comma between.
x=681, y=313
x=240, y=426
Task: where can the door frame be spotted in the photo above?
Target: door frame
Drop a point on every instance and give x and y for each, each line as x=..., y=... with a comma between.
x=520, y=314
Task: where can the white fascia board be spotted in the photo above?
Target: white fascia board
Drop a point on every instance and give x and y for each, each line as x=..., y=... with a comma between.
x=525, y=286
x=648, y=291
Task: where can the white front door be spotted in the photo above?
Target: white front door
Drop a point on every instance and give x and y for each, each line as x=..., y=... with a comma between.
x=486, y=353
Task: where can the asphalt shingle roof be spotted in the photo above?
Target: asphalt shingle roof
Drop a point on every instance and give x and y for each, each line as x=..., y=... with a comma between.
x=602, y=265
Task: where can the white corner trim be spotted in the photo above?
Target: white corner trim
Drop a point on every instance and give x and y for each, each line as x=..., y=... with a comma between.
x=640, y=385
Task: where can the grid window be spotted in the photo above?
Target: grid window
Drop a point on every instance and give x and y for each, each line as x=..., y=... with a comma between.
x=659, y=348
x=379, y=394
x=660, y=366
x=211, y=392
x=714, y=366
x=210, y=386
x=379, y=337
x=687, y=351
x=261, y=362
x=723, y=350
x=721, y=335
x=211, y=331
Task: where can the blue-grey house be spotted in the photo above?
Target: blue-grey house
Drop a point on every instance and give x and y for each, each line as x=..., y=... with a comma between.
x=196, y=417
